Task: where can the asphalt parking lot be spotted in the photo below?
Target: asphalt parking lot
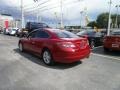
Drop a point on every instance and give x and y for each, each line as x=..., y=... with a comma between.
x=23, y=71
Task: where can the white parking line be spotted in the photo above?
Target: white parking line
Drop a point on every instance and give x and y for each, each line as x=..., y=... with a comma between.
x=110, y=57
x=96, y=47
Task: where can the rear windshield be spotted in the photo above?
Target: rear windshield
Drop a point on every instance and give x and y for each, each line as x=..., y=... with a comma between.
x=65, y=34
x=116, y=33
x=82, y=33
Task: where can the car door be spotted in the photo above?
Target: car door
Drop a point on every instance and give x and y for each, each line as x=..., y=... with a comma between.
x=39, y=41
x=28, y=41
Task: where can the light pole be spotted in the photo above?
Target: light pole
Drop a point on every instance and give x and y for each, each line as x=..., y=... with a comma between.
x=61, y=6
x=22, y=14
x=109, y=20
x=81, y=18
x=56, y=19
x=116, y=21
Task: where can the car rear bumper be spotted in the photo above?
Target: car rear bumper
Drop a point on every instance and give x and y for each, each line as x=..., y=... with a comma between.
x=73, y=56
x=109, y=46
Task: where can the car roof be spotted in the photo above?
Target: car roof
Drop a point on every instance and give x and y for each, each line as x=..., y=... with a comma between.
x=52, y=30
x=116, y=31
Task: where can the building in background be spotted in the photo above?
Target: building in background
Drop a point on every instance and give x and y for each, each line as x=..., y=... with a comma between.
x=7, y=20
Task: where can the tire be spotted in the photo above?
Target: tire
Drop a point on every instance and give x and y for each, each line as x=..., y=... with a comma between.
x=21, y=47
x=47, y=57
x=92, y=44
x=106, y=49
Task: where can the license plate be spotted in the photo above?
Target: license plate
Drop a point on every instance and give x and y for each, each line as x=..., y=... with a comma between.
x=115, y=45
x=82, y=45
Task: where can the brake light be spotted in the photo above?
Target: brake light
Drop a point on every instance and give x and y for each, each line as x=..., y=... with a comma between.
x=87, y=42
x=85, y=36
x=66, y=44
x=105, y=39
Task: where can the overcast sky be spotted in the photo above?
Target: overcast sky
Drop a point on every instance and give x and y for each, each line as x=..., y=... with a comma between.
x=47, y=9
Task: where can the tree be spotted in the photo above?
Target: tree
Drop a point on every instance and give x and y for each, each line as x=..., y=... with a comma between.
x=114, y=20
x=92, y=24
x=102, y=20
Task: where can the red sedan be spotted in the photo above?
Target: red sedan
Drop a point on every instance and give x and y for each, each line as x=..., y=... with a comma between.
x=112, y=42
x=55, y=46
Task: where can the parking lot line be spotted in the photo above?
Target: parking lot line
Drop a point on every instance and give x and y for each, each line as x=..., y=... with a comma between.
x=110, y=57
x=97, y=47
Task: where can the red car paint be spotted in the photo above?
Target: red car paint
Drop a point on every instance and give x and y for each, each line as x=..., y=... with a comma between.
x=112, y=42
x=64, y=50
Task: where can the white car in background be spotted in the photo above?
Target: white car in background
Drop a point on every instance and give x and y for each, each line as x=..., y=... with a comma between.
x=13, y=31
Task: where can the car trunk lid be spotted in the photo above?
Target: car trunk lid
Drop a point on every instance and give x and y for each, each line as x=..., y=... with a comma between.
x=80, y=43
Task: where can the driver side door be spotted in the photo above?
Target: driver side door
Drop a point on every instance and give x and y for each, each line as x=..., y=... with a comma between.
x=28, y=41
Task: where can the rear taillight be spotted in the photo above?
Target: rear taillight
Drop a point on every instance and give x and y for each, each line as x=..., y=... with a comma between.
x=87, y=42
x=104, y=39
x=66, y=44
x=85, y=36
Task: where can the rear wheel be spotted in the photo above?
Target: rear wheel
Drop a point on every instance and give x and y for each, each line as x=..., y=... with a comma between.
x=47, y=57
x=106, y=49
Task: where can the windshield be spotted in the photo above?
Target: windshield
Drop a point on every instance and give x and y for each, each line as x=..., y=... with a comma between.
x=65, y=34
x=13, y=29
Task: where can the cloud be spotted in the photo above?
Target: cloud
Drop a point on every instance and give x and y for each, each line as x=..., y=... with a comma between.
x=71, y=9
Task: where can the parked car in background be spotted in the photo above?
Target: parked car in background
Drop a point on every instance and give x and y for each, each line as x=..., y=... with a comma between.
x=112, y=42
x=13, y=31
x=30, y=26
x=55, y=45
x=94, y=38
x=6, y=31
x=22, y=33
x=1, y=30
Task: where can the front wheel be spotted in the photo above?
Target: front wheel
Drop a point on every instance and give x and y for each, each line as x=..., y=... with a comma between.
x=21, y=47
x=47, y=57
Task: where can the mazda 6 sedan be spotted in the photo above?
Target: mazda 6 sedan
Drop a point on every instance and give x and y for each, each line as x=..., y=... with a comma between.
x=54, y=45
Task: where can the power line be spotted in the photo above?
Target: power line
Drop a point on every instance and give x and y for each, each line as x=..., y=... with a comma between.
x=55, y=6
x=37, y=5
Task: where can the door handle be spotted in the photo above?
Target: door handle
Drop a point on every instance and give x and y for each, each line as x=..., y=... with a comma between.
x=33, y=42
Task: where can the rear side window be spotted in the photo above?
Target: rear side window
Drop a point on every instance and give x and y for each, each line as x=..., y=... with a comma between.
x=91, y=33
x=65, y=34
x=41, y=34
x=32, y=34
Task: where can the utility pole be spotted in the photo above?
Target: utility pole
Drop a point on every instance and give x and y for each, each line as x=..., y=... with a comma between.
x=37, y=16
x=56, y=19
x=22, y=15
x=109, y=20
x=81, y=18
x=116, y=21
x=61, y=6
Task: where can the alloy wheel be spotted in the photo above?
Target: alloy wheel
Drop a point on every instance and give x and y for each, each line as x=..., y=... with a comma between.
x=47, y=57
